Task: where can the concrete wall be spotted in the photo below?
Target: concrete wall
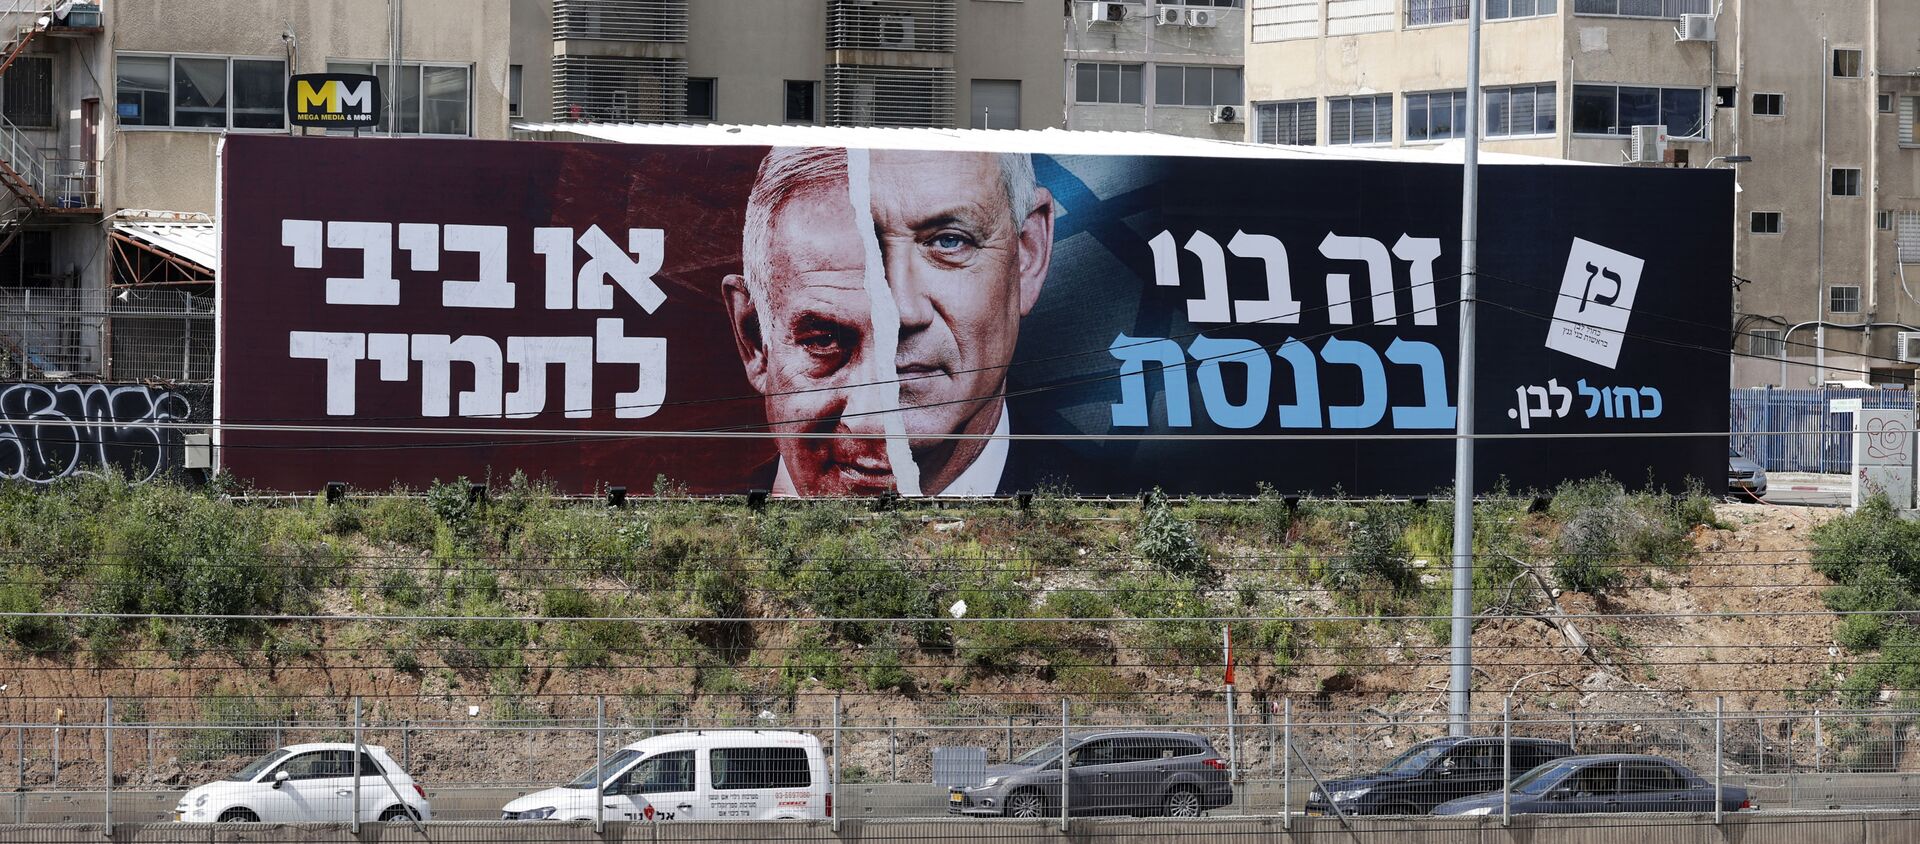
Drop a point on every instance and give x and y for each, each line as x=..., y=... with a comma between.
x=172, y=169
x=1140, y=40
x=753, y=47
x=530, y=45
x=1016, y=41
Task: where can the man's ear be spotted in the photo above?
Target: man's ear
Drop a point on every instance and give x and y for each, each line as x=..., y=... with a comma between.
x=1036, y=248
x=744, y=317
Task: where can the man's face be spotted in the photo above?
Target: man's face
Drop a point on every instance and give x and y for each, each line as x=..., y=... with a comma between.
x=964, y=269
x=814, y=354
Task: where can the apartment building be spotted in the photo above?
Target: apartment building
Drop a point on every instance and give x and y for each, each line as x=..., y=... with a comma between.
x=943, y=63
x=113, y=115
x=1813, y=101
x=1168, y=66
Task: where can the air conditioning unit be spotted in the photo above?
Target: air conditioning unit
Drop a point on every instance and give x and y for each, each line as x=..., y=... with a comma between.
x=1226, y=114
x=1108, y=12
x=1910, y=346
x=896, y=32
x=1695, y=28
x=1171, y=16
x=1203, y=18
x=1649, y=145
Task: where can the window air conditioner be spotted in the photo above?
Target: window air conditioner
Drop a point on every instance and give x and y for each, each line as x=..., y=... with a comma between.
x=896, y=32
x=1109, y=12
x=1649, y=145
x=1203, y=18
x=1171, y=16
x=1226, y=114
x=1910, y=346
x=1695, y=28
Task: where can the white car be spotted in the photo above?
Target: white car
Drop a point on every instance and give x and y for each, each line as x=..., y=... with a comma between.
x=727, y=775
x=308, y=783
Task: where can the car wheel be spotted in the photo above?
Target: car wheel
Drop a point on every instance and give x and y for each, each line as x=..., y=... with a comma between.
x=239, y=815
x=398, y=813
x=1027, y=804
x=1182, y=802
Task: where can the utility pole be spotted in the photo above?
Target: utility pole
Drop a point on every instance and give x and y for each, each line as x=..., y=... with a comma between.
x=1459, y=701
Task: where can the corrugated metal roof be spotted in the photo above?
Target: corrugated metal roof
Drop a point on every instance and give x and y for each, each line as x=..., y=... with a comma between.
x=1048, y=141
x=196, y=242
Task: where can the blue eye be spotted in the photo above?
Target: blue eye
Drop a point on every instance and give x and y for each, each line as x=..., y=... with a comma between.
x=950, y=241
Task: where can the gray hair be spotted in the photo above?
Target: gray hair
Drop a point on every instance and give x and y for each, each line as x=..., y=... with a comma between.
x=790, y=171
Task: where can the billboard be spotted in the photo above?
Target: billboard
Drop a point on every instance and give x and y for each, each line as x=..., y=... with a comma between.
x=835, y=321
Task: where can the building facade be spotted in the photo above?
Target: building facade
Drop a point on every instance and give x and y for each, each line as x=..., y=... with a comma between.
x=941, y=63
x=1167, y=66
x=114, y=115
x=1818, y=94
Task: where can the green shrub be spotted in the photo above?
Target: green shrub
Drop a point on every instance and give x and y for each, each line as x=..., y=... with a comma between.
x=399, y=520
x=884, y=672
x=41, y=636
x=811, y=659
x=1164, y=539
x=1076, y=603
x=842, y=582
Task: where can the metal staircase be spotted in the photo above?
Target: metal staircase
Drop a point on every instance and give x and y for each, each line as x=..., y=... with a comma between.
x=43, y=183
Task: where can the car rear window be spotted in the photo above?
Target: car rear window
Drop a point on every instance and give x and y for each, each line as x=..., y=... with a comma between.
x=1149, y=749
x=737, y=768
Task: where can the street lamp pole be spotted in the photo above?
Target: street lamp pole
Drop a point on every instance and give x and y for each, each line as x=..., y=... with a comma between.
x=1459, y=700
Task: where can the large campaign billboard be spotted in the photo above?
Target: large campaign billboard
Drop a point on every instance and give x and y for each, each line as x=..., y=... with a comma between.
x=825, y=320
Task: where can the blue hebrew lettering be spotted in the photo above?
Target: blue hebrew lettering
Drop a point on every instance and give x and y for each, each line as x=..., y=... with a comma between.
x=1373, y=384
x=1433, y=412
x=1658, y=403
x=1305, y=410
x=1593, y=409
x=1211, y=353
x=1133, y=354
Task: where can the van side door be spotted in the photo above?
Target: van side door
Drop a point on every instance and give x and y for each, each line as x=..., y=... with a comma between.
x=660, y=788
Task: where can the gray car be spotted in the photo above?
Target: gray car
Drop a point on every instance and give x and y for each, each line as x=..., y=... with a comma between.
x=1110, y=773
x=1614, y=782
x=1745, y=476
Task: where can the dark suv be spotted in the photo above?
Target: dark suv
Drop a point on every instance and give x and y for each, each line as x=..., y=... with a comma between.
x=1111, y=773
x=1431, y=773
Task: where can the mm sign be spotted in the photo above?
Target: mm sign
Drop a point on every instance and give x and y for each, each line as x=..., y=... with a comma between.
x=333, y=100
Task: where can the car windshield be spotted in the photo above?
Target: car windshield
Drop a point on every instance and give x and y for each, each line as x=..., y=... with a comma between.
x=1416, y=759
x=608, y=768
x=1542, y=779
x=1040, y=755
x=253, y=769
x=1732, y=453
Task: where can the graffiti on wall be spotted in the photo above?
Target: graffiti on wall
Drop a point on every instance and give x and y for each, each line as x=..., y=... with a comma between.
x=53, y=431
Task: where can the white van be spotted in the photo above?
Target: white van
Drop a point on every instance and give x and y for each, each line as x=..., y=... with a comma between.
x=708, y=775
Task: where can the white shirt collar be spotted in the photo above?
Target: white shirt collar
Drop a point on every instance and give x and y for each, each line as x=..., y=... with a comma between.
x=982, y=477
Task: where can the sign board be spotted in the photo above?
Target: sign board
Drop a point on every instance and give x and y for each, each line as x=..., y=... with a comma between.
x=835, y=321
x=334, y=100
x=1846, y=405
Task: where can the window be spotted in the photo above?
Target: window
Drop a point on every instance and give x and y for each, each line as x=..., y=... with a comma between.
x=1494, y=10
x=1224, y=4
x=1521, y=110
x=1885, y=103
x=1766, y=343
x=1843, y=298
x=1596, y=781
x=1425, y=12
x=516, y=86
x=27, y=92
x=996, y=104
x=327, y=764
x=1285, y=123
x=759, y=767
x=1643, y=8
x=1195, y=85
x=803, y=101
x=1649, y=777
x=1436, y=116
x=1102, y=752
x=1360, y=120
x=700, y=98
x=1906, y=236
x=1908, y=107
x=1846, y=64
x=1616, y=109
x=1883, y=220
x=1096, y=82
x=431, y=99
x=666, y=772
x=198, y=92
x=1846, y=181
x=1765, y=222
x=1770, y=104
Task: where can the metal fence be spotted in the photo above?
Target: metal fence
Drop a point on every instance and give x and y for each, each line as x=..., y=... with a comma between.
x=479, y=758
x=1796, y=430
x=130, y=335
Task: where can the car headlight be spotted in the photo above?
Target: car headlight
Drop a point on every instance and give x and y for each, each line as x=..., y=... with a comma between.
x=1483, y=810
x=990, y=782
x=1350, y=794
x=539, y=814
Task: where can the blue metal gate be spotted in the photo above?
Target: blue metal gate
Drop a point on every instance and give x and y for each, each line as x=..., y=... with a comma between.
x=1794, y=430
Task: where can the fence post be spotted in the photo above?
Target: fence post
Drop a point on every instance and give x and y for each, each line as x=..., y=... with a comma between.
x=1286, y=764
x=1233, y=741
x=406, y=744
x=358, y=748
x=1719, y=740
x=1064, y=762
x=1760, y=734
x=893, y=748
x=839, y=808
x=107, y=727
x=1817, y=744
x=1506, y=760
x=1009, y=756
x=20, y=765
x=599, y=764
